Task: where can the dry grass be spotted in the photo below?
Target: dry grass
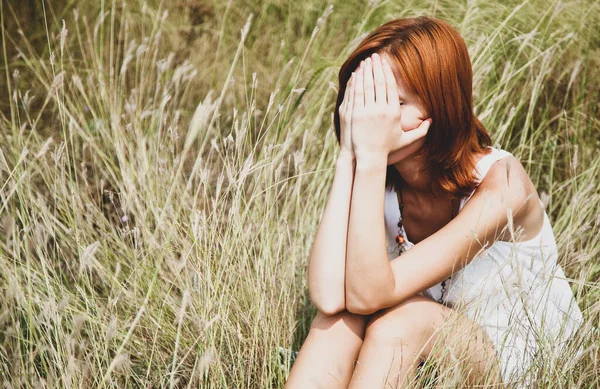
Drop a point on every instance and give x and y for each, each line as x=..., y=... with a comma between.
x=164, y=165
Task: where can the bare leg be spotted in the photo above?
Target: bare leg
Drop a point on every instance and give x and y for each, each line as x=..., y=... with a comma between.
x=386, y=363
x=327, y=357
x=464, y=344
x=391, y=350
x=397, y=338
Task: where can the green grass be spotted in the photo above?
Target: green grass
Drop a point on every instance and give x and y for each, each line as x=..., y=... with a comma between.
x=164, y=166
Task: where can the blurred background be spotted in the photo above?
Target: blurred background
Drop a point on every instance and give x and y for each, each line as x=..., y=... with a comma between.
x=164, y=166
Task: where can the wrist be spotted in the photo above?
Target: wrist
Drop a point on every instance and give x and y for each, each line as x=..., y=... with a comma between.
x=346, y=156
x=371, y=160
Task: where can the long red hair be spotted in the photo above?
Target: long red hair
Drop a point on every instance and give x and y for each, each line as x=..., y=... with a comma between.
x=433, y=61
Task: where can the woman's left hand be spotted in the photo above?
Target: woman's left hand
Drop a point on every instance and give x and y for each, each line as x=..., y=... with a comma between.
x=376, y=129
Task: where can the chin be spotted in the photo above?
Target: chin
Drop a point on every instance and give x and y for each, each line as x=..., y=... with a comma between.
x=402, y=154
x=393, y=159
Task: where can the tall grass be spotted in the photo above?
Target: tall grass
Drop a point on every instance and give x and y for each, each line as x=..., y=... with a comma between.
x=164, y=165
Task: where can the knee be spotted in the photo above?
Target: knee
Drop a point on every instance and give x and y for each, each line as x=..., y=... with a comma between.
x=407, y=321
x=341, y=321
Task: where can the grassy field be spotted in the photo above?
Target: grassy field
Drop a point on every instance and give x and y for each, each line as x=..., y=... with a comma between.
x=164, y=166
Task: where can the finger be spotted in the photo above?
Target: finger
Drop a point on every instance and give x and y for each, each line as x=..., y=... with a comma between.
x=359, y=91
x=409, y=137
x=350, y=104
x=368, y=81
x=379, y=80
x=390, y=82
x=344, y=104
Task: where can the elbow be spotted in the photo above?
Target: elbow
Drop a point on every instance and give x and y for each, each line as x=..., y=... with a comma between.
x=328, y=306
x=364, y=310
x=330, y=309
x=366, y=298
x=361, y=304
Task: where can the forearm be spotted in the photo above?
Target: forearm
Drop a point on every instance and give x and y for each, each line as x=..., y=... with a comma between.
x=326, y=267
x=368, y=272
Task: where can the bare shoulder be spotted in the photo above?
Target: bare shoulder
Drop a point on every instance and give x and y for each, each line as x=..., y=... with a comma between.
x=508, y=177
x=509, y=174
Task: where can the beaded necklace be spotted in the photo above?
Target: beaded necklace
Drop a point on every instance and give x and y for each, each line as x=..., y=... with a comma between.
x=404, y=245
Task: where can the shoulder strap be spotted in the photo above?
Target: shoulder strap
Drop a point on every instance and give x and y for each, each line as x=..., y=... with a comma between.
x=483, y=166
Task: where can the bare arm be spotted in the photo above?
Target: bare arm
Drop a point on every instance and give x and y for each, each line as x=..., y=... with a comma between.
x=327, y=262
x=367, y=254
x=326, y=267
x=374, y=283
x=376, y=132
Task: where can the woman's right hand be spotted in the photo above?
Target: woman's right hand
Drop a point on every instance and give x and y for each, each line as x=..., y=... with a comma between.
x=345, y=112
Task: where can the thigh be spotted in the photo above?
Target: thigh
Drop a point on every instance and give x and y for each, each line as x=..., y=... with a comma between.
x=452, y=340
x=462, y=349
x=327, y=357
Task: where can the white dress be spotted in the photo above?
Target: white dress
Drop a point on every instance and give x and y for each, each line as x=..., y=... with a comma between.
x=512, y=289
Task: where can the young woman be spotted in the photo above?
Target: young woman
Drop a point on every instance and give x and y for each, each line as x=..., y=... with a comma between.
x=427, y=227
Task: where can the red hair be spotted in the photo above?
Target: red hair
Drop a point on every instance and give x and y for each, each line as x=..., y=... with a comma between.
x=432, y=59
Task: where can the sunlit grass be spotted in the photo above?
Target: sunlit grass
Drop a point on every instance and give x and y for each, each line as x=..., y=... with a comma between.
x=164, y=166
